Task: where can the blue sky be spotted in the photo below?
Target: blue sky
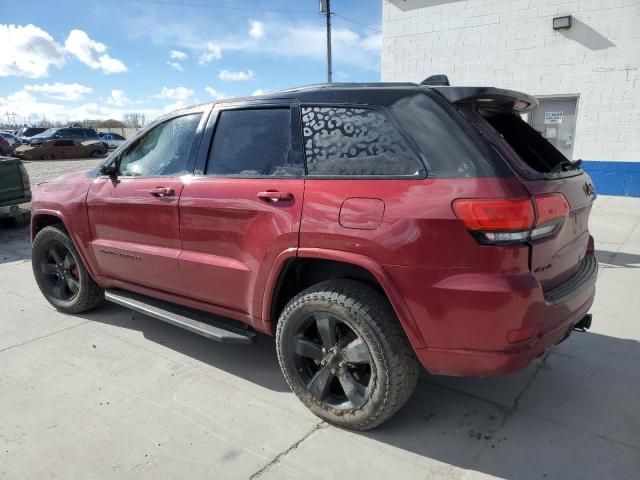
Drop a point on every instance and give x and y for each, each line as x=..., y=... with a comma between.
x=67, y=60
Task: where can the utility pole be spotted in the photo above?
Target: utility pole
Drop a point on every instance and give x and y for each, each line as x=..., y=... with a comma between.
x=325, y=7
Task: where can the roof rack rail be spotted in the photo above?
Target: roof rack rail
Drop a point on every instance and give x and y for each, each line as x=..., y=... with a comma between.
x=436, y=80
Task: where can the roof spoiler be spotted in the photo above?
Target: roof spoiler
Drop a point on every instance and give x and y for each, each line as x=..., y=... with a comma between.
x=489, y=98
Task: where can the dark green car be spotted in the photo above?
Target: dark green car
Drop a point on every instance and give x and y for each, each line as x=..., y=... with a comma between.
x=15, y=189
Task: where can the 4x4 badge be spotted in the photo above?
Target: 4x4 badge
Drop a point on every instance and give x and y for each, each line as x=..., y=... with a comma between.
x=588, y=189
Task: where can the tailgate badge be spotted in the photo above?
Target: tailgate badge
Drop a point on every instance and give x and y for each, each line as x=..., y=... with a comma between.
x=588, y=189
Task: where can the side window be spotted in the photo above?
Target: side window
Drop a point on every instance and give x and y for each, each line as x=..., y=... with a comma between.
x=345, y=141
x=252, y=143
x=163, y=150
x=75, y=133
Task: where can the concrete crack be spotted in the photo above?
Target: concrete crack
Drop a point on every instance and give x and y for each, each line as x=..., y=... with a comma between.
x=43, y=336
x=278, y=458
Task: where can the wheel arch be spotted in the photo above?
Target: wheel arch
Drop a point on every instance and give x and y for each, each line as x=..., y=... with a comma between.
x=285, y=281
x=42, y=218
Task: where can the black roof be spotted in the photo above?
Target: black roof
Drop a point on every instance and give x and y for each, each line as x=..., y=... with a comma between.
x=381, y=93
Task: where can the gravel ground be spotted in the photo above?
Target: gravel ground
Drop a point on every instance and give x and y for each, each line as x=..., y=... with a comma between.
x=45, y=170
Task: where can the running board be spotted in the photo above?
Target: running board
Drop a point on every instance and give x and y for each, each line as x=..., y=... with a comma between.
x=185, y=318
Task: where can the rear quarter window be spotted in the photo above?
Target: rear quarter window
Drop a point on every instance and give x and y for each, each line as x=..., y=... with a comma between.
x=448, y=144
x=353, y=141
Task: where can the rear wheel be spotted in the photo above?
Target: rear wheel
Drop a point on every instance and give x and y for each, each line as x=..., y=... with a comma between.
x=345, y=355
x=62, y=277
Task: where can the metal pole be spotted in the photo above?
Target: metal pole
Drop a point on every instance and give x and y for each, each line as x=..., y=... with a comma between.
x=328, y=41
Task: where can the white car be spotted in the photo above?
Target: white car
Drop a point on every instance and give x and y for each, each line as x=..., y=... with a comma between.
x=113, y=140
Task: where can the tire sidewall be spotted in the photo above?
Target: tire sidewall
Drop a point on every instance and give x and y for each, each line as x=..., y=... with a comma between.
x=296, y=313
x=44, y=238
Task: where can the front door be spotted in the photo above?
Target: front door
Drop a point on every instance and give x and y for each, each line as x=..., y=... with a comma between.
x=244, y=210
x=134, y=218
x=555, y=119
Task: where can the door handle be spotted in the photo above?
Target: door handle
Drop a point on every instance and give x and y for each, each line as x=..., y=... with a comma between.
x=274, y=196
x=162, y=192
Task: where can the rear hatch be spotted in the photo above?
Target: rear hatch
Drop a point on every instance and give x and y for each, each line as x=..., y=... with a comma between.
x=14, y=186
x=543, y=170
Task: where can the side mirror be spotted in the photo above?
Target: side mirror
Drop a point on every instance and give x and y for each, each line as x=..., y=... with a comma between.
x=109, y=169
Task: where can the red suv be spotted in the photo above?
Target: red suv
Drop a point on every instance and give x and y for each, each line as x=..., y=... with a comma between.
x=370, y=227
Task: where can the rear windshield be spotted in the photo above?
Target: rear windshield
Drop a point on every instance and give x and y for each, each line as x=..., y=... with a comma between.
x=532, y=148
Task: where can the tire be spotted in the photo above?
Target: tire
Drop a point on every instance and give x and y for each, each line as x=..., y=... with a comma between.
x=365, y=329
x=62, y=277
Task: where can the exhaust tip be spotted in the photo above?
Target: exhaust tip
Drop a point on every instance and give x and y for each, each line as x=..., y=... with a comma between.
x=584, y=324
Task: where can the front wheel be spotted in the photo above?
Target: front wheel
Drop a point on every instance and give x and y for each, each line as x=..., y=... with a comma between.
x=345, y=355
x=62, y=277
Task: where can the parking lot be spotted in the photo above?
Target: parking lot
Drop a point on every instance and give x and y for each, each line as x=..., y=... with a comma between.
x=115, y=394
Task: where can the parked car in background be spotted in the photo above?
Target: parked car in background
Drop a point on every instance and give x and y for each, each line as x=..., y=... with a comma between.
x=57, y=148
x=369, y=227
x=69, y=133
x=15, y=189
x=9, y=137
x=25, y=133
x=5, y=148
x=113, y=139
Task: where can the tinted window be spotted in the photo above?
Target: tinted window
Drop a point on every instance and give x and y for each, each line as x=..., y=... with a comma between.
x=115, y=136
x=446, y=142
x=354, y=141
x=90, y=132
x=252, y=143
x=163, y=150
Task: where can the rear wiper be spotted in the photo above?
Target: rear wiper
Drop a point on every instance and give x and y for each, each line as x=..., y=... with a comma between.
x=566, y=165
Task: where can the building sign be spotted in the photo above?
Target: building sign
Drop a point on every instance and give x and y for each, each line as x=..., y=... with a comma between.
x=551, y=118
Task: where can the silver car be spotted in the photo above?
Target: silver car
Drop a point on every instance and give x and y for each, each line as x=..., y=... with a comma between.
x=113, y=140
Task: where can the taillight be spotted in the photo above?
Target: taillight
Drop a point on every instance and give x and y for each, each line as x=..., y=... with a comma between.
x=505, y=221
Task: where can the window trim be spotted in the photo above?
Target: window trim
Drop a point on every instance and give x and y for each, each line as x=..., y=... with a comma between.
x=297, y=155
x=420, y=175
x=191, y=159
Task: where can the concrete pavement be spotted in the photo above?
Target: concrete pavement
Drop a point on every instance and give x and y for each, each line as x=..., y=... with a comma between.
x=114, y=394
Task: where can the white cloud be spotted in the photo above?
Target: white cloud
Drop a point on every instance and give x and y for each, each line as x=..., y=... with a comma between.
x=29, y=109
x=257, y=29
x=118, y=98
x=258, y=91
x=215, y=94
x=281, y=39
x=28, y=51
x=60, y=91
x=177, y=55
x=176, y=65
x=239, y=76
x=211, y=52
x=178, y=93
x=21, y=96
x=92, y=53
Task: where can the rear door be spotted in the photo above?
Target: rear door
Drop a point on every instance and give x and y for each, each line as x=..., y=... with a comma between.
x=244, y=207
x=134, y=218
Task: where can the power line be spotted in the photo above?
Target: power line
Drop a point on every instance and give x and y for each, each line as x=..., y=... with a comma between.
x=357, y=23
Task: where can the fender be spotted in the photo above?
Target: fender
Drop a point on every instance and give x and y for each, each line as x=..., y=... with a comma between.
x=84, y=254
x=397, y=302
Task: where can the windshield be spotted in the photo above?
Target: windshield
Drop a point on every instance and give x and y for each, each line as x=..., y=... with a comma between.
x=47, y=133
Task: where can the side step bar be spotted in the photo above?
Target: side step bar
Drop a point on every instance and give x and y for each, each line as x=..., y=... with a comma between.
x=185, y=318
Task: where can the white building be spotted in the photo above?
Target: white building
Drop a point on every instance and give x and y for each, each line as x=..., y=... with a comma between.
x=586, y=76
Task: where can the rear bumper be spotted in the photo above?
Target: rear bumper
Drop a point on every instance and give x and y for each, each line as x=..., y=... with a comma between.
x=491, y=363
x=466, y=319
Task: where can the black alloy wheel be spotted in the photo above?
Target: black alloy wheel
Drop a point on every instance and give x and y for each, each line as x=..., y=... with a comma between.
x=59, y=272
x=333, y=362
